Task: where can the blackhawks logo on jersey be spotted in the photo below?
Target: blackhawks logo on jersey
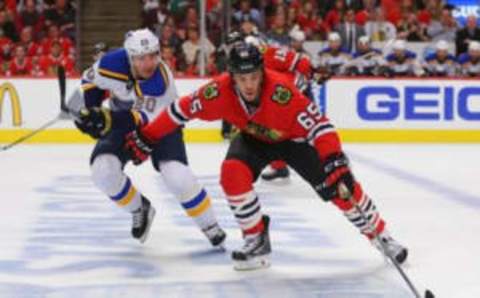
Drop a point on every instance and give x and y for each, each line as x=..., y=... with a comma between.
x=282, y=95
x=211, y=91
x=263, y=132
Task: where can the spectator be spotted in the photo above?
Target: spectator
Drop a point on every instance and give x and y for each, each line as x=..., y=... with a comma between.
x=378, y=29
x=54, y=36
x=7, y=26
x=168, y=56
x=62, y=15
x=245, y=11
x=168, y=37
x=470, y=32
x=411, y=30
x=362, y=16
x=26, y=40
x=37, y=70
x=20, y=64
x=311, y=22
x=401, y=62
x=441, y=63
x=6, y=46
x=30, y=16
x=191, y=47
x=335, y=15
x=155, y=16
x=56, y=57
x=350, y=32
x=191, y=18
x=279, y=31
x=470, y=61
x=443, y=29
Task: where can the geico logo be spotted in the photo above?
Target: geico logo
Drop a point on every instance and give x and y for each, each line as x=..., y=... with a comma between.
x=9, y=91
x=418, y=103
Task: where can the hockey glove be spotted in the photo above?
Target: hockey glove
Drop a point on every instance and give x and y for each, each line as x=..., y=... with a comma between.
x=95, y=122
x=337, y=172
x=137, y=147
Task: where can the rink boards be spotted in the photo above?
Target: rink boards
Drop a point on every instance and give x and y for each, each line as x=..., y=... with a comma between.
x=363, y=110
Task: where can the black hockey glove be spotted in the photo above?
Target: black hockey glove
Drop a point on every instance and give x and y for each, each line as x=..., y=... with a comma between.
x=95, y=122
x=337, y=173
x=137, y=147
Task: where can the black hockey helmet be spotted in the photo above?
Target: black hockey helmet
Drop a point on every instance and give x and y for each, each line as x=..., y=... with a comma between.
x=244, y=58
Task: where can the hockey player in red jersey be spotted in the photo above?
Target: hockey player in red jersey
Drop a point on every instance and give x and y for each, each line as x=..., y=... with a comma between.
x=276, y=121
x=298, y=67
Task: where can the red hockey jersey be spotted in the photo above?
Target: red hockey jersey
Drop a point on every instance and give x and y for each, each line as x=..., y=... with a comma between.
x=284, y=113
x=287, y=61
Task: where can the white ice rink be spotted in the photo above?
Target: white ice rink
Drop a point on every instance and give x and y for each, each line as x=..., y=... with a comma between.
x=60, y=237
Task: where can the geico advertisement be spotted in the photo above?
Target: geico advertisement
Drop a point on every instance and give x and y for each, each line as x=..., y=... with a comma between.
x=410, y=104
x=29, y=103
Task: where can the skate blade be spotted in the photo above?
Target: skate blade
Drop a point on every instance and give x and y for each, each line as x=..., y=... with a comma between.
x=151, y=216
x=252, y=264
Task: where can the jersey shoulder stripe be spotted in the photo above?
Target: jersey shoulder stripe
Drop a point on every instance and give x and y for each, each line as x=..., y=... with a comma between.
x=115, y=65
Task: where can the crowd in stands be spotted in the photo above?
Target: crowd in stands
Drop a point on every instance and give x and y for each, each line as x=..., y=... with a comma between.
x=36, y=36
x=355, y=24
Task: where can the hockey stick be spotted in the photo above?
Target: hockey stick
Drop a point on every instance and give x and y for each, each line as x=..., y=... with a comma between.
x=345, y=194
x=63, y=111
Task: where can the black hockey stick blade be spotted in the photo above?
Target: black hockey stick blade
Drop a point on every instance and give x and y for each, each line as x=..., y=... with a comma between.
x=62, y=84
x=429, y=294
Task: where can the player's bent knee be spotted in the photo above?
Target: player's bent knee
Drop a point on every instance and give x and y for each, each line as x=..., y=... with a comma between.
x=236, y=177
x=179, y=178
x=106, y=171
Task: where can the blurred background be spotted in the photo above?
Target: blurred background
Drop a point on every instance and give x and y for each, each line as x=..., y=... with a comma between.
x=37, y=35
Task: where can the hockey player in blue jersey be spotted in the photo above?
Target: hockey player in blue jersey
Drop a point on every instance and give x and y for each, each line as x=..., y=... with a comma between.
x=441, y=63
x=138, y=86
x=470, y=61
x=401, y=62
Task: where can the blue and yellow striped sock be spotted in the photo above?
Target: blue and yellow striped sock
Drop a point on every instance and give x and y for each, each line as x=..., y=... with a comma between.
x=128, y=197
x=199, y=208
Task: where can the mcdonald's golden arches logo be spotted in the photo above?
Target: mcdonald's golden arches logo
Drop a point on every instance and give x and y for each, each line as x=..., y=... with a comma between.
x=8, y=88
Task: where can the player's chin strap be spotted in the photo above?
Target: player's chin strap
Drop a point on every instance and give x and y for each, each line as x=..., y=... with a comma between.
x=345, y=194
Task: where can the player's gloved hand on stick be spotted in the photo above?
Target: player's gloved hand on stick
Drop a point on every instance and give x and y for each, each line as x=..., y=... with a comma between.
x=137, y=147
x=337, y=173
x=96, y=122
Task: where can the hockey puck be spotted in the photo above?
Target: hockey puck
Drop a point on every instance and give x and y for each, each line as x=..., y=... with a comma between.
x=429, y=294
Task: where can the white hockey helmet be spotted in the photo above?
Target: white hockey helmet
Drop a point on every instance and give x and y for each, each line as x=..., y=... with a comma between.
x=364, y=39
x=474, y=46
x=334, y=36
x=296, y=34
x=141, y=42
x=400, y=45
x=442, y=45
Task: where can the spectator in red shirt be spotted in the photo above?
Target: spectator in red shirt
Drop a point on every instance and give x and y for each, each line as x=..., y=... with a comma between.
x=26, y=40
x=56, y=57
x=54, y=36
x=311, y=22
x=335, y=15
x=37, y=70
x=29, y=16
x=62, y=15
x=20, y=64
x=168, y=56
x=6, y=46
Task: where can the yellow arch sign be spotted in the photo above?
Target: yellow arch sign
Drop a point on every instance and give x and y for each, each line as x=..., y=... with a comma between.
x=14, y=100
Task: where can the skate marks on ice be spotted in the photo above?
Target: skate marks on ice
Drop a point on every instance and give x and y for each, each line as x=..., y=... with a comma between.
x=79, y=246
